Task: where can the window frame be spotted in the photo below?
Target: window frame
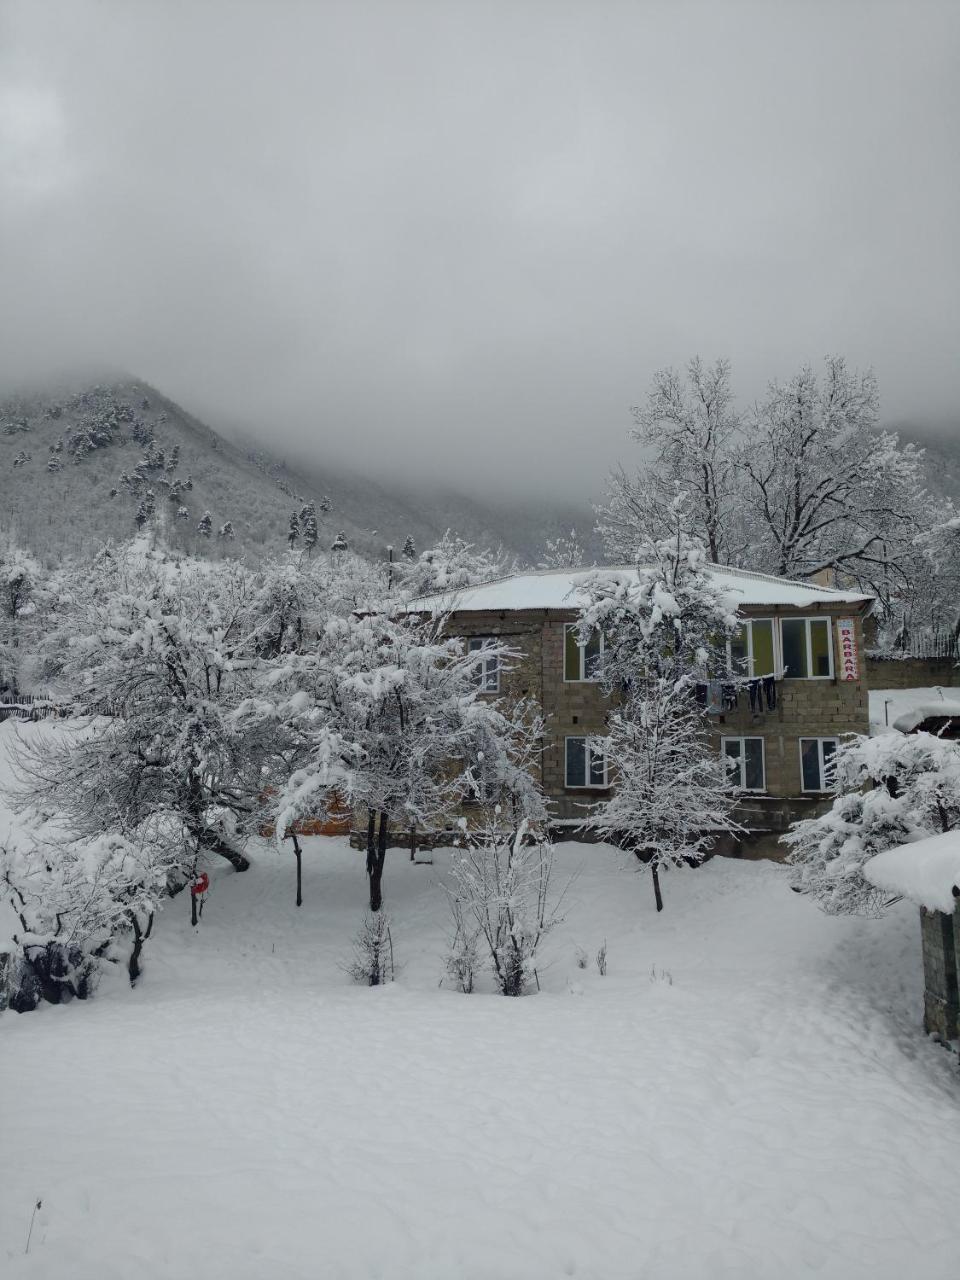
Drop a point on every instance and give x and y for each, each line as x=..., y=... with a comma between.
x=821, y=790
x=807, y=620
x=586, y=739
x=742, y=738
x=746, y=623
x=583, y=678
x=484, y=664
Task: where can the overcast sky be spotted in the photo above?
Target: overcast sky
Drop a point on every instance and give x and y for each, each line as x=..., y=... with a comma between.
x=461, y=237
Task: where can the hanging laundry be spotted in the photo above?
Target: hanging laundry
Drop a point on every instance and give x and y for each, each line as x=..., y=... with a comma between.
x=755, y=694
x=730, y=697
x=770, y=692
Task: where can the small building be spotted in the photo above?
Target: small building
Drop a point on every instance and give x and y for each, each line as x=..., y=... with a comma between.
x=922, y=710
x=799, y=647
x=927, y=873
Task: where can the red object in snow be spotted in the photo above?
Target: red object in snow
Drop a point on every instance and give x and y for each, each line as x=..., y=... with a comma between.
x=200, y=885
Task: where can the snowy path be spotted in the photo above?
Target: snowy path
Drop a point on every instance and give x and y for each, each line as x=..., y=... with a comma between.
x=772, y=1111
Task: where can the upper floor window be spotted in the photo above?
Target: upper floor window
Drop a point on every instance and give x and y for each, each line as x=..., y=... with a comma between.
x=487, y=671
x=816, y=763
x=807, y=650
x=585, y=763
x=745, y=761
x=581, y=661
x=752, y=649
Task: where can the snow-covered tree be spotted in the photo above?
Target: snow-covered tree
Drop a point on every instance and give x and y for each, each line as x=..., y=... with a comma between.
x=339, y=543
x=662, y=629
x=689, y=429
x=409, y=548
x=891, y=790
x=293, y=532
x=452, y=565
x=226, y=531
x=156, y=656
x=396, y=729
x=825, y=488
x=563, y=552
x=308, y=526
x=205, y=525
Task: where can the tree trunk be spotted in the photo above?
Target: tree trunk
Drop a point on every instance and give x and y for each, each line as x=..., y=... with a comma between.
x=656, y=886
x=194, y=916
x=211, y=841
x=413, y=842
x=297, y=855
x=376, y=867
x=139, y=938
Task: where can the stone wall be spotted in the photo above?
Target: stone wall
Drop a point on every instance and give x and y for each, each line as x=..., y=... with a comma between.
x=911, y=673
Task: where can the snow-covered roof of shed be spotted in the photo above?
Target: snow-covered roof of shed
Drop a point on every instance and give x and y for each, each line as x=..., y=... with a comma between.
x=924, y=872
x=906, y=709
x=559, y=589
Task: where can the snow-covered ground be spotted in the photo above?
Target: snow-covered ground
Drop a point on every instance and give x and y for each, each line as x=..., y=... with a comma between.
x=746, y=1094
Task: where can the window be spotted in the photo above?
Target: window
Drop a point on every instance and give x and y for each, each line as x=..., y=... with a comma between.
x=816, y=763
x=487, y=674
x=586, y=763
x=746, y=763
x=581, y=661
x=751, y=649
x=807, y=651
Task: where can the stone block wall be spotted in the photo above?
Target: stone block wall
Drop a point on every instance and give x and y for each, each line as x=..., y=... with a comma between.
x=911, y=673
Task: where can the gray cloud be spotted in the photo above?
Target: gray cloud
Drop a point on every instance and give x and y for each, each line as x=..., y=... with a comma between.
x=461, y=237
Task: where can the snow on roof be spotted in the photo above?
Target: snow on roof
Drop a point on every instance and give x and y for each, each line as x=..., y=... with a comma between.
x=559, y=589
x=906, y=709
x=925, y=872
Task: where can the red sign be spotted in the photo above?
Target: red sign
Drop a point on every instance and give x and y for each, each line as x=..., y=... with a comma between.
x=847, y=642
x=200, y=885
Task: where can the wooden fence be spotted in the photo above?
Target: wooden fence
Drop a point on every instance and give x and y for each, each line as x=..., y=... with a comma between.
x=31, y=706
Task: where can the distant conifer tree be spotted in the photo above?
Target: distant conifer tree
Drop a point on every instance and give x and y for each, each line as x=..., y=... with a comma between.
x=205, y=525
x=293, y=533
x=339, y=543
x=410, y=548
x=308, y=523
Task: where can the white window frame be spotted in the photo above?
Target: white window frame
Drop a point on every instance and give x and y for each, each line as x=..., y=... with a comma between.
x=742, y=738
x=821, y=790
x=487, y=665
x=583, y=678
x=747, y=625
x=787, y=675
x=588, y=739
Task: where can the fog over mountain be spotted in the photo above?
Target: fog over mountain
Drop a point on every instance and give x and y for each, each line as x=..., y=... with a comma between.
x=454, y=242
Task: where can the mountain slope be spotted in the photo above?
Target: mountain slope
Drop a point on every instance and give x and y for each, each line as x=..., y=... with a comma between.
x=64, y=450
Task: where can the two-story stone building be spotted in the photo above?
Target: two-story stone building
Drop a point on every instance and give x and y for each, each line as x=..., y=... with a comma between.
x=800, y=646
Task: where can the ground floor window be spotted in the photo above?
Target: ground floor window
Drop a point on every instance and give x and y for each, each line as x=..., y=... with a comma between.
x=746, y=763
x=816, y=763
x=586, y=762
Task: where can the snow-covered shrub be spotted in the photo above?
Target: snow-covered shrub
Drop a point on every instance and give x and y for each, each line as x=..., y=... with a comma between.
x=602, y=959
x=80, y=903
x=581, y=957
x=502, y=897
x=892, y=789
x=373, y=964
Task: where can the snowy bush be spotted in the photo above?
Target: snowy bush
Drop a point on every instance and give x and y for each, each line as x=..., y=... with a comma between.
x=80, y=903
x=602, y=959
x=373, y=964
x=893, y=789
x=502, y=900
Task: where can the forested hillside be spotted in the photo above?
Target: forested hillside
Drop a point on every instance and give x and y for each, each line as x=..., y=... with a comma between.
x=77, y=463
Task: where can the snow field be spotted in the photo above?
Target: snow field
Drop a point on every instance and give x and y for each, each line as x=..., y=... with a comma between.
x=746, y=1094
